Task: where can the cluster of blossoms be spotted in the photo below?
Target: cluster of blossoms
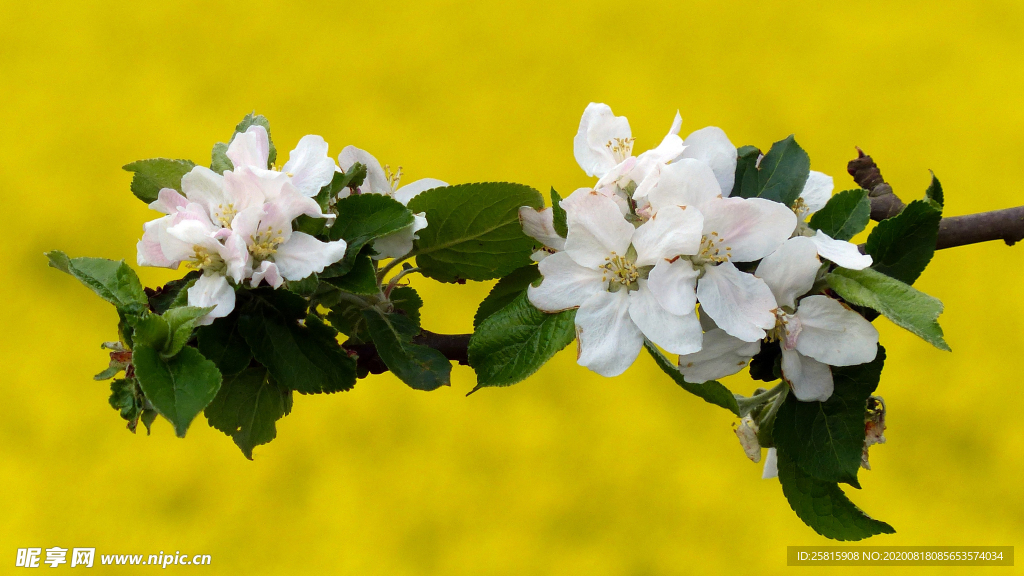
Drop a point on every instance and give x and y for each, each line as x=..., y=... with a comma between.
x=238, y=226
x=658, y=250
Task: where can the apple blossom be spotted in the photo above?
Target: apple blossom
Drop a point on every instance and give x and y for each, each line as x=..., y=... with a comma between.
x=813, y=197
x=308, y=168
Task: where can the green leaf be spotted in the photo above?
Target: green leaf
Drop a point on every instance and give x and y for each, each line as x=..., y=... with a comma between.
x=361, y=279
x=934, y=193
x=302, y=357
x=711, y=391
x=906, y=306
x=181, y=322
x=155, y=174
x=745, y=185
x=783, y=172
x=124, y=398
x=473, y=230
x=826, y=439
x=363, y=218
x=219, y=161
x=305, y=287
x=823, y=506
x=178, y=387
x=164, y=297
x=148, y=417
x=247, y=408
x=558, y=214
x=505, y=291
x=515, y=341
x=309, y=225
x=222, y=343
x=902, y=246
x=420, y=367
x=109, y=372
x=844, y=216
x=113, y=281
x=405, y=299
x=151, y=330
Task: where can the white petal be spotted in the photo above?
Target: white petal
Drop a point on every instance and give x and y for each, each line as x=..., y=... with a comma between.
x=376, y=181
x=235, y=254
x=686, y=182
x=834, y=334
x=411, y=190
x=303, y=254
x=721, y=355
x=677, y=124
x=670, y=148
x=398, y=244
x=212, y=290
x=309, y=165
x=817, y=191
x=749, y=228
x=676, y=334
x=771, y=465
x=597, y=128
x=609, y=341
x=671, y=231
x=811, y=380
x=150, y=249
x=566, y=284
x=267, y=271
x=790, y=271
x=204, y=187
x=674, y=284
x=251, y=148
x=740, y=303
x=845, y=254
x=168, y=201
x=596, y=229
x=711, y=146
x=540, y=225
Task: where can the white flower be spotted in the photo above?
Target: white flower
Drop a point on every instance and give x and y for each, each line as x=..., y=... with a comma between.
x=816, y=332
x=212, y=290
x=815, y=194
x=309, y=168
x=540, y=225
x=624, y=280
x=382, y=181
x=735, y=230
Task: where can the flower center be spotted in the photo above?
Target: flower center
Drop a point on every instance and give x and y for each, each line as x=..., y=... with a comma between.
x=393, y=178
x=225, y=214
x=621, y=148
x=264, y=244
x=203, y=259
x=712, y=251
x=619, y=272
x=801, y=209
x=787, y=329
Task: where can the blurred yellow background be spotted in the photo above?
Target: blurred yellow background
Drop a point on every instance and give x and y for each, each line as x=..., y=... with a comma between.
x=568, y=472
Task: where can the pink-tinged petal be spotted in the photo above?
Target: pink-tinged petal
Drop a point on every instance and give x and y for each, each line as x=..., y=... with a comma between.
x=267, y=271
x=195, y=233
x=747, y=228
x=168, y=201
x=247, y=222
x=540, y=225
x=676, y=334
x=790, y=271
x=671, y=231
x=609, y=341
x=686, y=182
x=833, y=334
x=235, y=254
x=565, y=284
x=596, y=230
x=674, y=284
x=711, y=146
x=303, y=255
x=817, y=191
x=721, y=355
x=309, y=166
x=845, y=254
x=740, y=303
x=212, y=290
x=599, y=127
x=376, y=181
x=771, y=465
x=413, y=189
x=150, y=250
x=250, y=148
x=204, y=187
x=811, y=380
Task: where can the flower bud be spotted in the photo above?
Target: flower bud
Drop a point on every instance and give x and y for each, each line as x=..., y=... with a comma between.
x=747, y=433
